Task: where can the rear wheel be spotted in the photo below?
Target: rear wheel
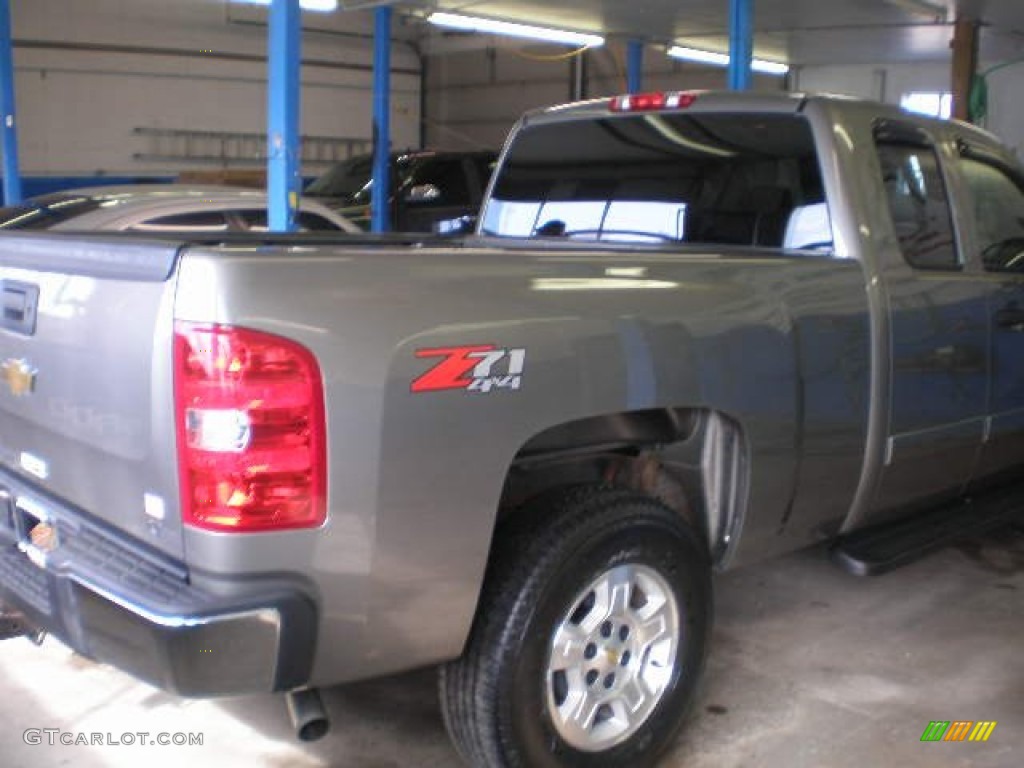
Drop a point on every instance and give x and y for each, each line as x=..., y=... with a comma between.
x=590, y=636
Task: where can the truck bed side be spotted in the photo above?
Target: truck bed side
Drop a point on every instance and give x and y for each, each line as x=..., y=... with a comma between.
x=777, y=344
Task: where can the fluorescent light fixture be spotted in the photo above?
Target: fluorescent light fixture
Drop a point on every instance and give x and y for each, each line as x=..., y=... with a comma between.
x=322, y=6
x=510, y=29
x=695, y=54
x=722, y=60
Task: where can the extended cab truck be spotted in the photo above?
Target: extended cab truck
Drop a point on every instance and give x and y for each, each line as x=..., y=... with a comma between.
x=693, y=330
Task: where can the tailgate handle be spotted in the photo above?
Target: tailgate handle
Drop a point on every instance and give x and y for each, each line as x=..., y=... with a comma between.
x=19, y=304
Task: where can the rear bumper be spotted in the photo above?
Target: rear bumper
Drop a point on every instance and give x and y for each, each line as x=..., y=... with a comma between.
x=115, y=602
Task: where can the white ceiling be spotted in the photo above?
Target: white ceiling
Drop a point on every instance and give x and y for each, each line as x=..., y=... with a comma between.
x=800, y=31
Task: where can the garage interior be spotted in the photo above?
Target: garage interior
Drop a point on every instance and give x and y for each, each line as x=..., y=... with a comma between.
x=111, y=91
x=809, y=666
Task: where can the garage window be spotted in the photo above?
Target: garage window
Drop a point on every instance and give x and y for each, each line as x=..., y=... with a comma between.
x=931, y=103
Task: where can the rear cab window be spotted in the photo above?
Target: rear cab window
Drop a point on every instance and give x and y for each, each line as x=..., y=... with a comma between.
x=717, y=178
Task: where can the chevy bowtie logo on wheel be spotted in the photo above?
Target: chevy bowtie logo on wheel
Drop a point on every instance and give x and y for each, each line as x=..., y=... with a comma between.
x=480, y=368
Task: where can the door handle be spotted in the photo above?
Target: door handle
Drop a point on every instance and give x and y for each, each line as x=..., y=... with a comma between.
x=1011, y=318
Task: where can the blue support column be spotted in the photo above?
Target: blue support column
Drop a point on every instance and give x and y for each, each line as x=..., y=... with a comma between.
x=741, y=43
x=284, y=184
x=634, y=66
x=12, y=174
x=380, y=213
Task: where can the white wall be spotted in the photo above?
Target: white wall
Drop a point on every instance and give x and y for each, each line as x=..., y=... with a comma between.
x=77, y=107
x=1006, y=106
x=474, y=97
x=888, y=82
x=884, y=82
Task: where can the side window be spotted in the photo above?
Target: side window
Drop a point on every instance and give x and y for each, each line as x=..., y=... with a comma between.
x=449, y=178
x=255, y=220
x=998, y=215
x=200, y=221
x=919, y=205
x=314, y=222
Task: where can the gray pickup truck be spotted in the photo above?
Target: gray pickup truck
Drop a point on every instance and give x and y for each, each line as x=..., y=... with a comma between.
x=693, y=330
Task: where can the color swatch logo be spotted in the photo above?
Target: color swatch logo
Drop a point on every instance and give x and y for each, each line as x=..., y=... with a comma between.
x=958, y=730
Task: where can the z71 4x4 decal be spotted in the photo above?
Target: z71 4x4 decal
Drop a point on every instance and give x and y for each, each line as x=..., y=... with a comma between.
x=478, y=368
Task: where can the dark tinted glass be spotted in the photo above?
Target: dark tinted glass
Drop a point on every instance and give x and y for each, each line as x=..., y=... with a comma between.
x=345, y=179
x=998, y=215
x=484, y=165
x=715, y=178
x=255, y=220
x=46, y=211
x=449, y=178
x=919, y=205
x=312, y=222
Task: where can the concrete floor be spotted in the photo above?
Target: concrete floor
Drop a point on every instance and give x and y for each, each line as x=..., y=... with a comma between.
x=809, y=667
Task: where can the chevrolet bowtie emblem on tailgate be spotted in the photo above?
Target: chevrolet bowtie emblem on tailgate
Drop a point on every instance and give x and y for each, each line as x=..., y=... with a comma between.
x=19, y=376
x=43, y=537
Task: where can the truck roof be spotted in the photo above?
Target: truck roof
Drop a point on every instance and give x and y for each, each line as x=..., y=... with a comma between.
x=748, y=101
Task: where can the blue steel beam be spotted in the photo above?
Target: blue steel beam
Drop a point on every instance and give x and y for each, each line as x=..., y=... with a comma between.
x=12, y=174
x=380, y=213
x=634, y=66
x=741, y=43
x=284, y=184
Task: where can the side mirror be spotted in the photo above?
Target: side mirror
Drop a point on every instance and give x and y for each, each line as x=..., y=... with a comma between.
x=422, y=193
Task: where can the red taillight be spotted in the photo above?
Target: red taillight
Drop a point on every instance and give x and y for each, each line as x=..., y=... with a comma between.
x=249, y=408
x=648, y=102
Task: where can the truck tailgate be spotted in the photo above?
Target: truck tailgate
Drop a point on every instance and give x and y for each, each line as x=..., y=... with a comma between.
x=86, y=398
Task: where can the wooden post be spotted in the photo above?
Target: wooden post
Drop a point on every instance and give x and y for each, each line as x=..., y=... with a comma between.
x=965, y=64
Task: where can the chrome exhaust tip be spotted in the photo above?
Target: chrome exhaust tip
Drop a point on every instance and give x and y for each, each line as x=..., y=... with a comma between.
x=307, y=714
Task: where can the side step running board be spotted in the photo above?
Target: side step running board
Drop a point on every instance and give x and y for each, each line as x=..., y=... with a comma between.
x=876, y=550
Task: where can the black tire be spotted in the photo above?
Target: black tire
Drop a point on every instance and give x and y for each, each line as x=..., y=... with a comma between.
x=495, y=698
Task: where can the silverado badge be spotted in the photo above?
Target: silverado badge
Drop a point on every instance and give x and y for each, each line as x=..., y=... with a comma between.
x=19, y=376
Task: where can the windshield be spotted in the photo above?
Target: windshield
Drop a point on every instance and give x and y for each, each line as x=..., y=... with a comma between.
x=46, y=211
x=650, y=178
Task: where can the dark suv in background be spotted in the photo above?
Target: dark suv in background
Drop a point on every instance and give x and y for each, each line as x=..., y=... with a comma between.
x=431, y=191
